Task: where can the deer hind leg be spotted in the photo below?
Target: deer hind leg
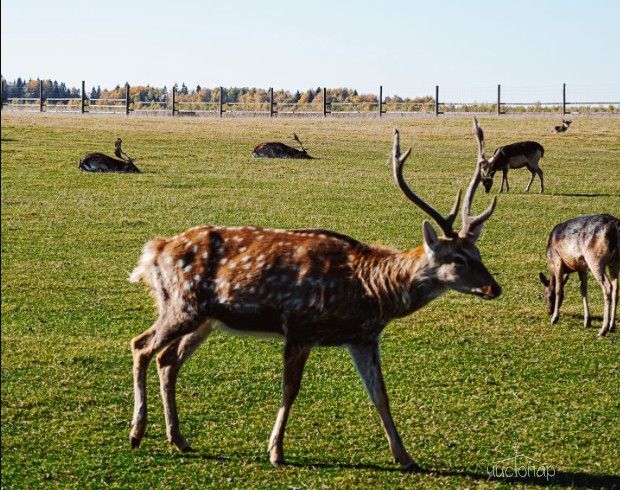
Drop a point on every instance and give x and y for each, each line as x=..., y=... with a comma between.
x=532, y=177
x=598, y=271
x=143, y=347
x=583, y=286
x=368, y=364
x=169, y=362
x=542, y=183
x=614, y=269
x=295, y=357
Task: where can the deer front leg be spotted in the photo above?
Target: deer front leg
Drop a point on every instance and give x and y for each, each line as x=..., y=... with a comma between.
x=368, y=363
x=295, y=357
x=587, y=318
x=504, y=179
x=169, y=362
x=559, y=297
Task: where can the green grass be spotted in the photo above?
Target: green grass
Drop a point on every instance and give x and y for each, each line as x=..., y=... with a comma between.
x=471, y=382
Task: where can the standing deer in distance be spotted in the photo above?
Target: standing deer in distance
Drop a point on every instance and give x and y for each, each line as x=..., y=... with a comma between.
x=99, y=162
x=516, y=155
x=280, y=150
x=310, y=287
x=578, y=245
x=563, y=127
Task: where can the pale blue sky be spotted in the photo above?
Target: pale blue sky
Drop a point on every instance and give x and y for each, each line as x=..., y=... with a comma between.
x=466, y=47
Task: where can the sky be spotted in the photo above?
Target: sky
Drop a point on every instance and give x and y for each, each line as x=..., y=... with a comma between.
x=465, y=47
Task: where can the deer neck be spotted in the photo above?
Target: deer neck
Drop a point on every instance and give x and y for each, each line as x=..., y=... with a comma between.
x=401, y=282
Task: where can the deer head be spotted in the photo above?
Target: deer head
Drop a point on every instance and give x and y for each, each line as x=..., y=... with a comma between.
x=486, y=172
x=453, y=257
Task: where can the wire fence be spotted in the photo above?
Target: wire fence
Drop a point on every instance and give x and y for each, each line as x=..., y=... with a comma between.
x=498, y=100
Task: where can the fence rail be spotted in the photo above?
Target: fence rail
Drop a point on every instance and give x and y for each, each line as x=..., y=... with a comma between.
x=271, y=108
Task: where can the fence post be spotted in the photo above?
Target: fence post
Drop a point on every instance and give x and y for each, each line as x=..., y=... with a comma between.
x=221, y=109
x=41, y=100
x=499, y=99
x=325, y=102
x=174, y=100
x=564, y=99
x=2, y=90
x=380, y=100
x=83, y=101
x=126, y=99
x=436, y=100
x=271, y=111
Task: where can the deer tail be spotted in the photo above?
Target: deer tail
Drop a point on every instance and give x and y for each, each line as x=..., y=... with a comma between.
x=148, y=260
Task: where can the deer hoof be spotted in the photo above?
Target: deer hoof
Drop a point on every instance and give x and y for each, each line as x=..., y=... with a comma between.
x=135, y=442
x=277, y=463
x=410, y=467
x=554, y=320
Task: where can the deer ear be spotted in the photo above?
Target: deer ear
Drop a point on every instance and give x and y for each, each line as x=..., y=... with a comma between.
x=431, y=241
x=543, y=279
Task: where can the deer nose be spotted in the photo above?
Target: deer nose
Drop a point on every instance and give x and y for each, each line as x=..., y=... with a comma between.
x=492, y=290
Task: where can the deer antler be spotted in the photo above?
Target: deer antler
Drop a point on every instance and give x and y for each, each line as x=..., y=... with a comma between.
x=298, y=141
x=479, y=139
x=398, y=160
x=469, y=222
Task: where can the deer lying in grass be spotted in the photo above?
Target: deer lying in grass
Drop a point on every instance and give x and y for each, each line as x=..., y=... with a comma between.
x=99, y=162
x=309, y=287
x=280, y=150
x=578, y=245
x=516, y=155
x=563, y=127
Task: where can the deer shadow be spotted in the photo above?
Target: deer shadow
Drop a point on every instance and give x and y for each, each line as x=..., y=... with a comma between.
x=559, y=478
x=570, y=194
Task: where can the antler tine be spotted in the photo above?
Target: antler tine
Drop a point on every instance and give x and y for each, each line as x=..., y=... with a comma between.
x=470, y=222
x=296, y=138
x=479, y=139
x=398, y=162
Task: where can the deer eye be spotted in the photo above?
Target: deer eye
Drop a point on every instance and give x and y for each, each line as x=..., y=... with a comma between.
x=458, y=260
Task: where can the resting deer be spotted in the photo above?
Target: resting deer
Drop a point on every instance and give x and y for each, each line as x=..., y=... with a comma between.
x=516, y=155
x=280, y=150
x=563, y=127
x=309, y=287
x=99, y=162
x=578, y=245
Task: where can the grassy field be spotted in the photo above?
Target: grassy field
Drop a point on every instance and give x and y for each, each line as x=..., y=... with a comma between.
x=471, y=382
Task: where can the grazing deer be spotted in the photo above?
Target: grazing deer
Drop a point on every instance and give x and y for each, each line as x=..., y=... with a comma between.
x=563, y=127
x=280, y=150
x=516, y=155
x=99, y=162
x=578, y=245
x=310, y=287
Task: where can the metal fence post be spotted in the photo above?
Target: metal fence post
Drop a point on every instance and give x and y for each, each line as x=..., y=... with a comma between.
x=41, y=100
x=83, y=99
x=221, y=108
x=271, y=110
x=499, y=99
x=380, y=100
x=126, y=99
x=2, y=91
x=564, y=99
x=174, y=100
x=324, y=102
x=436, y=100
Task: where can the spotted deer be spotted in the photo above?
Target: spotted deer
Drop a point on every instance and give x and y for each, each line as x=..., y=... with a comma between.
x=100, y=162
x=280, y=150
x=563, y=127
x=587, y=243
x=310, y=287
x=515, y=155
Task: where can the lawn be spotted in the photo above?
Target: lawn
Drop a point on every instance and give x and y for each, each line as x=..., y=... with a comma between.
x=471, y=382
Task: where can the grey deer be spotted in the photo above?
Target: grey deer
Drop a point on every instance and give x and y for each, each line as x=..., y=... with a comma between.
x=100, y=162
x=515, y=155
x=309, y=287
x=563, y=127
x=582, y=244
x=280, y=150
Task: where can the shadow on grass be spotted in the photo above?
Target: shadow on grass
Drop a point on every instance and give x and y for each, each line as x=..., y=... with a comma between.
x=568, y=194
x=560, y=478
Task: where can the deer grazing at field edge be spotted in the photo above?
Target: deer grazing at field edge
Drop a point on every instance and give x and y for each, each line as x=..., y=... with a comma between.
x=563, y=127
x=280, y=150
x=516, y=155
x=99, y=162
x=578, y=245
x=311, y=287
